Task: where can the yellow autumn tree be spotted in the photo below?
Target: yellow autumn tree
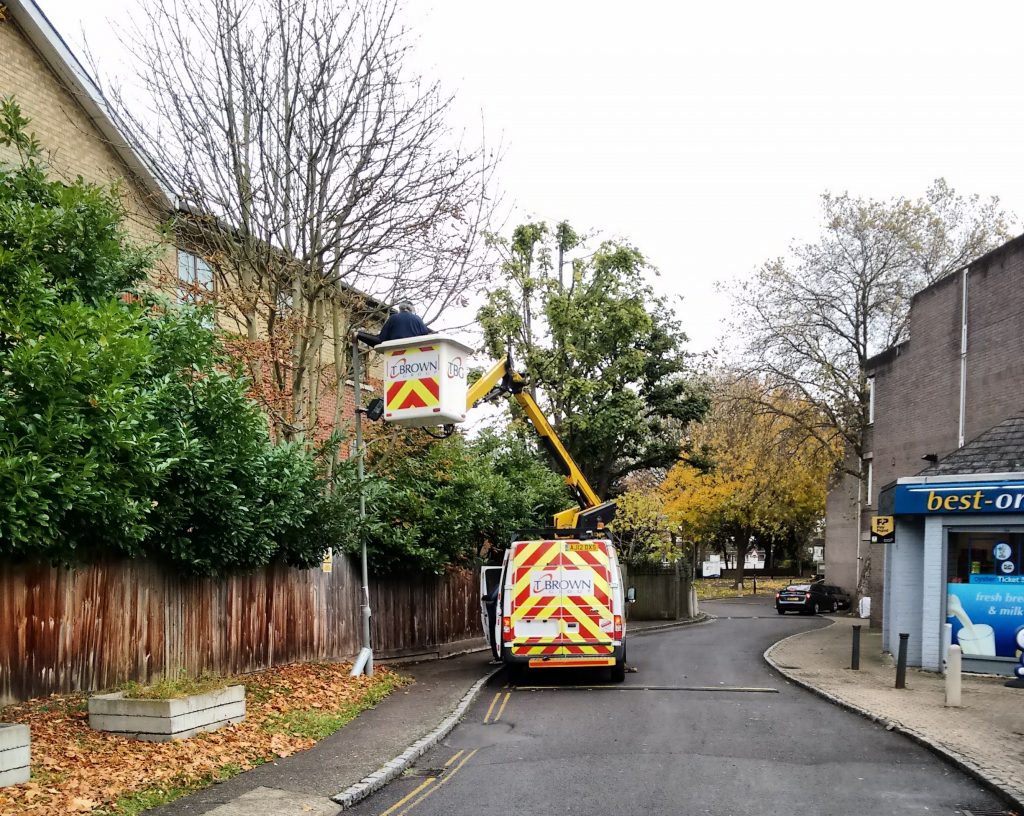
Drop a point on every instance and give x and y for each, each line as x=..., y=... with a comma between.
x=762, y=480
x=641, y=525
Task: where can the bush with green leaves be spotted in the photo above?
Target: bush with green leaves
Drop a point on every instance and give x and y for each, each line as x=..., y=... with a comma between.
x=124, y=427
x=446, y=504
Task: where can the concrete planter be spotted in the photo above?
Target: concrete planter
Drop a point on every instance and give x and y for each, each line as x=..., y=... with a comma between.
x=15, y=742
x=165, y=720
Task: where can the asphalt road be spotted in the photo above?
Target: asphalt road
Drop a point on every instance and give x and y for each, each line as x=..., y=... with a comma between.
x=703, y=727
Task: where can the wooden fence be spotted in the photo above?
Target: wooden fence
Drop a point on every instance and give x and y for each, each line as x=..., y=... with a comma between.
x=95, y=627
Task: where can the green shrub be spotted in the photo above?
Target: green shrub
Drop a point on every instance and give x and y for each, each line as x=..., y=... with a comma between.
x=123, y=430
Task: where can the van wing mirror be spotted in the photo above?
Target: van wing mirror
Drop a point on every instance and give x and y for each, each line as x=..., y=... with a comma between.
x=631, y=595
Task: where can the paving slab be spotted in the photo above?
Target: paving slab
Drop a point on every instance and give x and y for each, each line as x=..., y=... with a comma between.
x=983, y=736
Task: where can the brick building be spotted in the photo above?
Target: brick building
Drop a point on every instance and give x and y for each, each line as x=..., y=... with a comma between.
x=957, y=376
x=69, y=116
x=72, y=121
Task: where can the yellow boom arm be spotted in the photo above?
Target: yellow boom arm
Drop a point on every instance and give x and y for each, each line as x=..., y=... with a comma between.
x=503, y=379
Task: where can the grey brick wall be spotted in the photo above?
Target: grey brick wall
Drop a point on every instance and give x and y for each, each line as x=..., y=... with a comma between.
x=917, y=385
x=841, y=535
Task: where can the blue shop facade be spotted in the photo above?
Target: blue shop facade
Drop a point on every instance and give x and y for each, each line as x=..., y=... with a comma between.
x=956, y=556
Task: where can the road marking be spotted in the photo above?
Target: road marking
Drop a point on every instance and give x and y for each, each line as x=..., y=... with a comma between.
x=490, y=708
x=501, y=709
x=444, y=780
x=732, y=689
x=425, y=784
x=450, y=761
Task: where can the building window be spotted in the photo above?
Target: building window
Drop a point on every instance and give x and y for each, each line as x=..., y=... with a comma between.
x=871, y=400
x=870, y=481
x=195, y=277
x=985, y=576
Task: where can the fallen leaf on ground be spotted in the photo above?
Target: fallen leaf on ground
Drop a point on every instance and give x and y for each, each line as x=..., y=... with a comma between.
x=78, y=770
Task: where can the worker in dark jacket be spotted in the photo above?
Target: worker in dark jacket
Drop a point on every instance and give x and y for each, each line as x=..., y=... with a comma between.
x=400, y=325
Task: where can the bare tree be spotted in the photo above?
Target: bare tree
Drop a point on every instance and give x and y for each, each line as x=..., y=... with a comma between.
x=312, y=167
x=811, y=322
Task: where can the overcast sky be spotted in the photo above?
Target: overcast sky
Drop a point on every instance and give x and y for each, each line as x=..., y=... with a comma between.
x=704, y=133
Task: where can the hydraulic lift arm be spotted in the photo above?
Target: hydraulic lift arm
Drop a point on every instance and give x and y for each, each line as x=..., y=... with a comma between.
x=503, y=379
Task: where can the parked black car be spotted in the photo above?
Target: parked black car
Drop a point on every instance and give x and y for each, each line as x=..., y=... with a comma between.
x=807, y=599
x=839, y=595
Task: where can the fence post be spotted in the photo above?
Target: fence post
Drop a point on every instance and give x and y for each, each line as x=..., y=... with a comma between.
x=855, y=654
x=901, y=662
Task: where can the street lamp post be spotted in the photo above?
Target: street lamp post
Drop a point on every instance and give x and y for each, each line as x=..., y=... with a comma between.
x=364, y=662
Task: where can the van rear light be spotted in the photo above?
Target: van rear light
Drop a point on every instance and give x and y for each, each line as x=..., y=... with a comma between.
x=617, y=627
x=506, y=625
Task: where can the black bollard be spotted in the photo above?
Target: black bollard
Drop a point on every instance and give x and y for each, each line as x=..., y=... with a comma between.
x=855, y=655
x=901, y=662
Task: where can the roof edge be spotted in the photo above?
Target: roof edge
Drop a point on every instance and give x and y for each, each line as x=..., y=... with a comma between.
x=63, y=62
x=961, y=477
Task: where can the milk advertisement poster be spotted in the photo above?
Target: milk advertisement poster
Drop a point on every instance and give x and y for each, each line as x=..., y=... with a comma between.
x=985, y=616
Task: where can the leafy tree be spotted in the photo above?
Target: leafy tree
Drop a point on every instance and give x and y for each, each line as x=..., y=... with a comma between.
x=122, y=430
x=454, y=500
x=603, y=349
x=768, y=480
x=641, y=526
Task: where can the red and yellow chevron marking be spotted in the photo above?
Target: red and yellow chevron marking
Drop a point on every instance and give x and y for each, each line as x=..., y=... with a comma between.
x=418, y=392
x=586, y=611
x=535, y=651
x=528, y=557
x=589, y=650
x=421, y=393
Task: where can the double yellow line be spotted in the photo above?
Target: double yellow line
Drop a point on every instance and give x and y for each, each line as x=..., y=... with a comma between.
x=399, y=808
x=501, y=708
x=428, y=786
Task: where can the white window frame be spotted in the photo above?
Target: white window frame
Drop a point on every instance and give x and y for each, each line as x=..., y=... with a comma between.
x=871, y=400
x=189, y=283
x=870, y=481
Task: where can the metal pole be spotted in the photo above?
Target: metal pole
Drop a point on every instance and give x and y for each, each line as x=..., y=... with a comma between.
x=901, y=662
x=953, y=677
x=364, y=663
x=855, y=655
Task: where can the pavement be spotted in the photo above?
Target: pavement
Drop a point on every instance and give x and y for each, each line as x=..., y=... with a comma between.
x=982, y=737
x=304, y=783
x=705, y=727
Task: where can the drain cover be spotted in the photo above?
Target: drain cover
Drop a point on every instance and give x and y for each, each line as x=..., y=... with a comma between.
x=984, y=811
x=431, y=773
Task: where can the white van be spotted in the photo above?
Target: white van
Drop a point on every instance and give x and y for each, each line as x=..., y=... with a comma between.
x=557, y=603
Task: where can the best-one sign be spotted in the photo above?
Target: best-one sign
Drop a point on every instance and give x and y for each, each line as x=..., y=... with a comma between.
x=971, y=497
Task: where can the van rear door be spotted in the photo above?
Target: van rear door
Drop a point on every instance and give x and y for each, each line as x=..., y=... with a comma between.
x=587, y=613
x=561, y=601
x=535, y=605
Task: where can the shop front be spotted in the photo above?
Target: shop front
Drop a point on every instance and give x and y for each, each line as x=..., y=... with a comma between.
x=957, y=557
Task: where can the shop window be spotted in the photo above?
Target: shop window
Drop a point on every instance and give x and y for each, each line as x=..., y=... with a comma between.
x=985, y=591
x=195, y=277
